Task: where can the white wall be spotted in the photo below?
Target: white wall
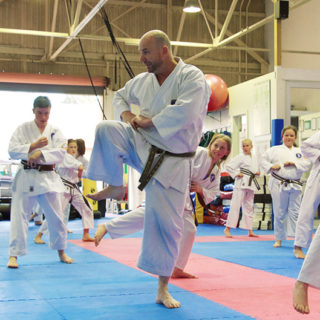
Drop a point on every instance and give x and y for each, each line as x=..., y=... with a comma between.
x=300, y=32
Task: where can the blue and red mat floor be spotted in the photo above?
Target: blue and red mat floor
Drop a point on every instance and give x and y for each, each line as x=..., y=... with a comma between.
x=239, y=278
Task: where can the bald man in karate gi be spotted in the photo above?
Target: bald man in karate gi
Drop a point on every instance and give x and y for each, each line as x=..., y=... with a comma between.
x=173, y=99
x=38, y=145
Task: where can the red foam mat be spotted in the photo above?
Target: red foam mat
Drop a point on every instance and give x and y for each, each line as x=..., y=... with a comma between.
x=253, y=292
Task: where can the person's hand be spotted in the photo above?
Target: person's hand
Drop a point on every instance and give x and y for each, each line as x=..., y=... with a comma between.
x=276, y=167
x=257, y=173
x=289, y=164
x=239, y=175
x=127, y=116
x=42, y=142
x=34, y=158
x=141, y=122
x=195, y=187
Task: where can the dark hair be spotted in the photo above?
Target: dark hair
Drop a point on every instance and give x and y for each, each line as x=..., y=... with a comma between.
x=72, y=140
x=41, y=102
x=81, y=147
x=288, y=128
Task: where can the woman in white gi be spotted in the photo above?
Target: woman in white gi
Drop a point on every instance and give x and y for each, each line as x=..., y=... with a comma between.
x=38, y=145
x=309, y=273
x=285, y=164
x=205, y=180
x=70, y=170
x=243, y=168
x=311, y=199
x=173, y=99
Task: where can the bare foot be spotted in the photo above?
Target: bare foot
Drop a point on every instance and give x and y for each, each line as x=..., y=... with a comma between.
x=64, y=258
x=227, y=233
x=38, y=239
x=179, y=273
x=86, y=238
x=300, y=297
x=69, y=231
x=111, y=192
x=277, y=244
x=166, y=299
x=251, y=234
x=297, y=251
x=163, y=295
x=100, y=233
x=12, y=263
x=38, y=223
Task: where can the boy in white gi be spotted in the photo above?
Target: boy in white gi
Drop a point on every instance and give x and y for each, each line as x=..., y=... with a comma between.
x=173, y=99
x=205, y=181
x=311, y=199
x=244, y=169
x=38, y=145
x=70, y=170
x=285, y=164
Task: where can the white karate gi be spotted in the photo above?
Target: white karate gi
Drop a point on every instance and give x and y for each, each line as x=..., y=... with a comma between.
x=68, y=170
x=133, y=221
x=309, y=272
x=31, y=185
x=311, y=199
x=243, y=193
x=177, y=108
x=286, y=198
x=85, y=164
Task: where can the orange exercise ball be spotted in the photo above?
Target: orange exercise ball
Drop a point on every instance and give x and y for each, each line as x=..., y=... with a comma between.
x=219, y=92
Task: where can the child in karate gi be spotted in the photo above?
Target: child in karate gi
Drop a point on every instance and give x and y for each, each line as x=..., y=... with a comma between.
x=70, y=171
x=285, y=164
x=38, y=145
x=244, y=169
x=310, y=202
x=205, y=180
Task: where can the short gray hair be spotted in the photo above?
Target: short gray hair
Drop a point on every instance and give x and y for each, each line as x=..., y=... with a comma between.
x=161, y=38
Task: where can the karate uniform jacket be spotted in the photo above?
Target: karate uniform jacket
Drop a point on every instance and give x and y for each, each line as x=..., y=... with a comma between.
x=34, y=182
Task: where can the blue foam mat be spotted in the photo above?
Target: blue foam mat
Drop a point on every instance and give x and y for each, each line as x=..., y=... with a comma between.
x=96, y=287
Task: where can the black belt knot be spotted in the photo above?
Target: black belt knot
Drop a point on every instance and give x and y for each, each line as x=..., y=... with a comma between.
x=252, y=177
x=286, y=181
x=149, y=171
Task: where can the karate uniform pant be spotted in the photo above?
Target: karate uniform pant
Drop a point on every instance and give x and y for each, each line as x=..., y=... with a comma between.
x=286, y=205
x=309, y=272
x=309, y=205
x=244, y=198
x=115, y=144
x=133, y=222
x=78, y=202
x=21, y=208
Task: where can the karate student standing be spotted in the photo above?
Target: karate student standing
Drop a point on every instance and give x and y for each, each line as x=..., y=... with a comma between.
x=243, y=168
x=205, y=180
x=173, y=98
x=70, y=170
x=38, y=145
x=285, y=164
x=311, y=199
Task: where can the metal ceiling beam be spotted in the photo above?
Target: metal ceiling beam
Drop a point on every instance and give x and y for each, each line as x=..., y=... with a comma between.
x=79, y=27
x=53, y=25
x=227, y=21
x=76, y=17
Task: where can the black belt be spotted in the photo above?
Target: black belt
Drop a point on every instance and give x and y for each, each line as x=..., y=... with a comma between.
x=149, y=171
x=286, y=181
x=252, y=177
x=71, y=185
x=39, y=167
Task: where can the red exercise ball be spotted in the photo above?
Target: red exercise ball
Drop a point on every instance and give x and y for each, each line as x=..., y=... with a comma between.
x=219, y=92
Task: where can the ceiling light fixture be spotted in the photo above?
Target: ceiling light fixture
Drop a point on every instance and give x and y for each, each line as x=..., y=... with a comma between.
x=191, y=6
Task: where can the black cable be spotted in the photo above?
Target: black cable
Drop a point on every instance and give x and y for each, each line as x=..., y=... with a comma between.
x=94, y=88
x=122, y=57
